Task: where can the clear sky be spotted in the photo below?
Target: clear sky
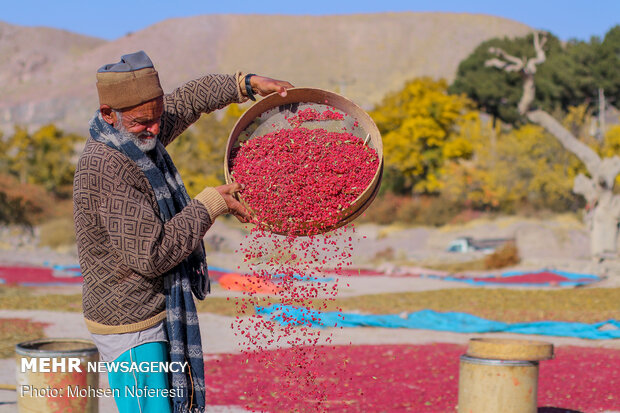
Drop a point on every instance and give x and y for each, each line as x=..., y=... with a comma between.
x=110, y=19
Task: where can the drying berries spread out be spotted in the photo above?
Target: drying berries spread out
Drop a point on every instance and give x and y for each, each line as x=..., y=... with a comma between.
x=300, y=180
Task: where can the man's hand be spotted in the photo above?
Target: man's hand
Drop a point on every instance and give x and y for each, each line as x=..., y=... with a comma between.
x=234, y=207
x=265, y=85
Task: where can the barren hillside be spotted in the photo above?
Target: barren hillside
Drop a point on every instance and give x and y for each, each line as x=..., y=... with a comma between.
x=361, y=56
x=29, y=53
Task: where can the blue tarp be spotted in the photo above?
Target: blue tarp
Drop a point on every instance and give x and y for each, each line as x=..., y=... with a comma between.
x=73, y=270
x=300, y=277
x=570, y=279
x=433, y=320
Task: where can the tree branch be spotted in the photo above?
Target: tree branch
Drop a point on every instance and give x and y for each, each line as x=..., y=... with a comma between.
x=500, y=64
x=608, y=171
x=540, y=54
x=585, y=187
x=527, y=67
x=529, y=93
x=539, y=45
x=582, y=151
x=604, y=173
x=597, y=190
x=615, y=206
x=510, y=58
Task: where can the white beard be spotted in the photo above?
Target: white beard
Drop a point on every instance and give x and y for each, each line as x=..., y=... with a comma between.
x=139, y=139
x=142, y=140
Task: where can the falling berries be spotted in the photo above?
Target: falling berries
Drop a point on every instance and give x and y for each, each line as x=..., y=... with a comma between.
x=297, y=181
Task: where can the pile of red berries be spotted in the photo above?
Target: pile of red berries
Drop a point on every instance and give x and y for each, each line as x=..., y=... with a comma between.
x=300, y=180
x=311, y=114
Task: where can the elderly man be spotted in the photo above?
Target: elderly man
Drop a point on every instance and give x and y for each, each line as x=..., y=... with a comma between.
x=139, y=235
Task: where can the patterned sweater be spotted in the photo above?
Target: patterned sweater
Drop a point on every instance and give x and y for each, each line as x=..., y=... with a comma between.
x=124, y=248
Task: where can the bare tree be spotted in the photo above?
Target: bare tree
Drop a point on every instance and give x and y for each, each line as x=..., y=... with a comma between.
x=603, y=206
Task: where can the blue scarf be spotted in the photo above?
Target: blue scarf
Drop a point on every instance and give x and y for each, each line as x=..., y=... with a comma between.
x=189, y=276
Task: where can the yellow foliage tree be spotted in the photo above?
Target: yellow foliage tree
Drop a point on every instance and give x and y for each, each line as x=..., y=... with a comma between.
x=199, y=152
x=611, y=145
x=524, y=165
x=44, y=158
x=422, y=126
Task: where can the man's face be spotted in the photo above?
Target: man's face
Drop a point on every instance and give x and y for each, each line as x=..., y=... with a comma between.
x=141, y=123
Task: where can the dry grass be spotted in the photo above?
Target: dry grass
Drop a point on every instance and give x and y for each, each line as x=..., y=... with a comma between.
x=505, y=256
x=455, y=267
x=587, y=305
x=21, y=298
x=578, y=305
x=57, y=232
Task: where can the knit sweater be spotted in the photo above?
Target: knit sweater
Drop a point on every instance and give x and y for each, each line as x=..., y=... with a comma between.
x=123, y=245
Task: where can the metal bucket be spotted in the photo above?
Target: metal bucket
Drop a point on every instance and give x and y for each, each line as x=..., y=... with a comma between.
x=53, y=376
x=492, y=386
x=270, y=114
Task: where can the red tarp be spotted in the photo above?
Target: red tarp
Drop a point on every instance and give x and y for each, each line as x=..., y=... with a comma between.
x=37, y=276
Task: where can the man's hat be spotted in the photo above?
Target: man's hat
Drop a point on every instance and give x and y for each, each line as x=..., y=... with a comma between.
x=130, y=82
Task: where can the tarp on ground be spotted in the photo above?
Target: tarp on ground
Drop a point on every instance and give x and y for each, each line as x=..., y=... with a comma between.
x=57, y=275
x=433, y=320
x=37, y=276
x=525, y=278
x=544, y=277
x=240, y=282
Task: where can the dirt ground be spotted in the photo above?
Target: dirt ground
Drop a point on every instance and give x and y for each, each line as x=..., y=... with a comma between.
x=561, y=243
x=218, y=333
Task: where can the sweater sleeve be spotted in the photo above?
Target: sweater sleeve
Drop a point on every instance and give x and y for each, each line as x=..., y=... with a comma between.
x=144, y=242
x=184, y=106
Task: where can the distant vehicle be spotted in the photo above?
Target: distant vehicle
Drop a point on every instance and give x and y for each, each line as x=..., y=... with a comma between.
x=468, y=244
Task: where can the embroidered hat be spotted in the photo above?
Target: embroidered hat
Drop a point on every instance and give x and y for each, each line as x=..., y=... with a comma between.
x=130, y=82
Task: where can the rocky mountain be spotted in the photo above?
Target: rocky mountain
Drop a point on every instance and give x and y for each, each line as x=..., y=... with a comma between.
x=48, y=75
